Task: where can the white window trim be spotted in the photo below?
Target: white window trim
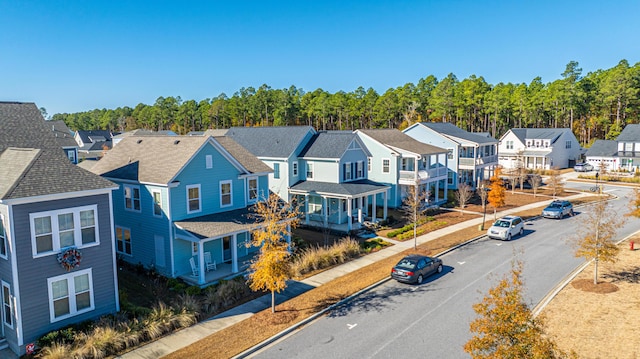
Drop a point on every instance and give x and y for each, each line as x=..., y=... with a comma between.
x=208, y=161
x=388, y=166
x=347, y=170
x=72, y=298
x=230, y=193
x=11, y=309
x=122, y=240
x=249, y=199
x=189, y=211
x=4, y=239
x=55, y=233
x=309, y=170
x=294, y=167
x=124, y=196
x=276, y=171
x=360, y=169
x=153, y=203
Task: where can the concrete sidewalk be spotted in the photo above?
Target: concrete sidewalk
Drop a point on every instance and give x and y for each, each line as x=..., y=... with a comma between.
x=188, y=336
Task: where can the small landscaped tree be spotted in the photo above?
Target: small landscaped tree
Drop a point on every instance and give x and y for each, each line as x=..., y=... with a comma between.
x=555, y=182
x=497, y=193
x=634, y=204
x=506, y=327
x=594, y=236
x=535, y=180
x=463, y=195
x=413, y=208
x=271, y=269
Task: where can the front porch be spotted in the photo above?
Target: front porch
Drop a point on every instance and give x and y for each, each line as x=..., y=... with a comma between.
x=223, y=271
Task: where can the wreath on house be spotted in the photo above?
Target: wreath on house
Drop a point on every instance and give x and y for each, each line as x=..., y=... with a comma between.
x=70, y=258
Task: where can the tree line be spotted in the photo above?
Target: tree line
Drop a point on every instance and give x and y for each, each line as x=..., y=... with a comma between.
x=595, y=106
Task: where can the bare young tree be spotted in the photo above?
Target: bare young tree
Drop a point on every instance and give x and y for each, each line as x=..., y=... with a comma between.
x=463, y=195
x=594, y=238
x=536, y=181
x=555, y=182
x=413, y=208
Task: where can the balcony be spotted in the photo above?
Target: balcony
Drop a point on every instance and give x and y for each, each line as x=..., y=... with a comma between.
x=472, y=162
x=411, y=177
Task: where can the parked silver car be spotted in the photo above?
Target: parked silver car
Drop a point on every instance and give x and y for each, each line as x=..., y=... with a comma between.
x=506, y=228
x=558, y=209
x=583, y=167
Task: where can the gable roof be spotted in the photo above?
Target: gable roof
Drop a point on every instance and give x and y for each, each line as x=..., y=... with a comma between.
x=95, y=135
x=143, y=132
x=278, y=141
x=630, y=133
x=605, y=148
x=331, y=144
x=62, y=133
x=32, y=161
x=137, y=158
x=400, y=140
x=450, y=130
x=551, y=134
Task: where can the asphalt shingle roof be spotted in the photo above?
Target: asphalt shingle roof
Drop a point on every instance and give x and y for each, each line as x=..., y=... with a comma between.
x=158, y=159
x=398, y=139
x=330, y=144
x=355, y=188
x=218, y=224
x=63, y=135
x=539, y=133
x=630, y=133
x=606, y=148
x=450, y=129
x=274, y=142
x=49, y=171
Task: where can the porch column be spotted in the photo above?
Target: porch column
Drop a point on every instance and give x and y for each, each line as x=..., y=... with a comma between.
x=366, y=206
x=373, y=207
x=325, y=210
x=384, y=206
x=339, y=211
x=349, y=219
x=437, y=197
x=306, y=209
x=201, y=265
x=359, y=209
x=234, y=253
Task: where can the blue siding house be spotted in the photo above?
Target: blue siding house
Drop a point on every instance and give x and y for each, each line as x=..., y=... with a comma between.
x=401, y=162
x=183, y=202
x=57, y=260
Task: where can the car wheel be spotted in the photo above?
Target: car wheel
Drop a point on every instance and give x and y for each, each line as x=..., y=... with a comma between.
x=521, y=232
x=571, y=213
x=419, y=280
x=439, y=270
x=508, y=237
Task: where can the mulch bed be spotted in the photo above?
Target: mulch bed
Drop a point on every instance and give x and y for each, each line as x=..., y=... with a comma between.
x=587, y=285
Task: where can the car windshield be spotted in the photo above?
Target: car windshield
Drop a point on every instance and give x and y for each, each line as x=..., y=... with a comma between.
x=555, y=205
x=501, y=223
x=406, y=263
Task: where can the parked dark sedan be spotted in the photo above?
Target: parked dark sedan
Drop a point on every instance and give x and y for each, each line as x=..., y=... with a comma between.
x=414, y=268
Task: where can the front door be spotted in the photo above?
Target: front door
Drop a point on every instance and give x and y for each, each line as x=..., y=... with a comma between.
x=226, y=248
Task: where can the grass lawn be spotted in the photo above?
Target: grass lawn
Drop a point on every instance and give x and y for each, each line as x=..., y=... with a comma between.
x=243, y=335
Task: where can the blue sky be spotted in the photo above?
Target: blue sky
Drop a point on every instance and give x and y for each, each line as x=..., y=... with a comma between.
x=71, y=56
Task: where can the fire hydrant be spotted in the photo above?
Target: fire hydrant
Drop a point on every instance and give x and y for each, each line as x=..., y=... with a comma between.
x=631, y=243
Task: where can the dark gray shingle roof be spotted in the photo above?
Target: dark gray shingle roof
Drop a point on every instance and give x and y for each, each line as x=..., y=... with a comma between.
x=158, y=159
x=63, y=135
x=606, y=148
x=539, y=133
x=49, y=171
x=450, y=129
x=330, y=145
x=398, y=139
x=219, y=224
x=355, y=188
x=630, y=133
x=277, y=142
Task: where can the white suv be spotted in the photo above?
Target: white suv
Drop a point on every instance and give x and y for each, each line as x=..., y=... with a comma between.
x=506, y=227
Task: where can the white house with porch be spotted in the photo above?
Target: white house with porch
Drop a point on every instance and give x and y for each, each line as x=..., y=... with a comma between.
x=538, y=148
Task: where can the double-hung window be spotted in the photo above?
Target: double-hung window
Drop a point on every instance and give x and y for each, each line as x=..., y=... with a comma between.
x=360, y=169
x=368, y=164
x=226, y=198
x=157, y=203
x=347, y=171
x=7, y=307
x=58, y=229
x=123, y=240
x=193, y=198
x=3, y=240
x=276, y=170
x=309, y=170
x=385, y=165
x=131, y=198
x=70, y=294
x=294, y=168
x=253, y=189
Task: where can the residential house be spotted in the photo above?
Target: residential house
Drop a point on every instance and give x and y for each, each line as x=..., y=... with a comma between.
x=278, y=147
x=621, y=154
x=538, y=148
x=183, y=200
x=64, y=136
x=472, y=157
x=400, y=162
x=57, y=260
x=140, y=132
x=94, y=143
x=333, y=187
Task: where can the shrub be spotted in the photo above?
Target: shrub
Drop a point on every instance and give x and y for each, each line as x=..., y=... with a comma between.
x=409, y=227
x=373, y=244
x=193, y=290
x=317, y=258
x=63, y=336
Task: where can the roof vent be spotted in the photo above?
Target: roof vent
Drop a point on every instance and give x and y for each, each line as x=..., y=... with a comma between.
x=176, y=142
x=139, y=141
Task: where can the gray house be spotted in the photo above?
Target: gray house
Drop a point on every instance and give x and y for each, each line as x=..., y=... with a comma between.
x=623, y=153
x=57, y=262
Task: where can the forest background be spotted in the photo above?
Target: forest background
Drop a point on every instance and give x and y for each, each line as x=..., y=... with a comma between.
x=595, y=106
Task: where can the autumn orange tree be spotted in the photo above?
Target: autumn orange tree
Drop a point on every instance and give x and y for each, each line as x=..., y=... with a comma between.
x=413, y=208
x=506, y=327
x=497, y=193
x=594, y=236
x=272, y=267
